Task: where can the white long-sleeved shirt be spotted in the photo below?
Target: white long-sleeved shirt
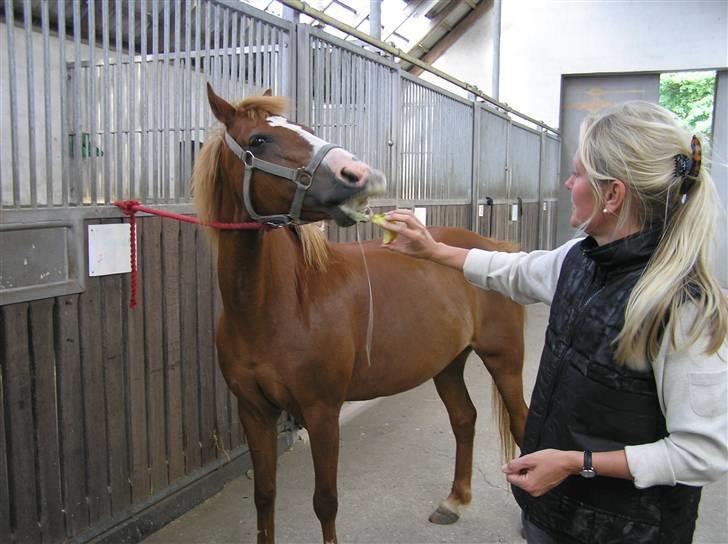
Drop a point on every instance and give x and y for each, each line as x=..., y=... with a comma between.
x=692, y=387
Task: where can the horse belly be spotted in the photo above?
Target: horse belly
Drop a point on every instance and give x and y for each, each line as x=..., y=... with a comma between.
x=403, y=361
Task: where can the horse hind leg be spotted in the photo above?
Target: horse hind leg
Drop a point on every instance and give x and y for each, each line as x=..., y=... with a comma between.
x=450, y=385
x=262, y=435
x=505, y=366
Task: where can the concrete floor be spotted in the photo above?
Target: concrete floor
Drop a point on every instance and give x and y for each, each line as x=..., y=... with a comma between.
x=396, y=463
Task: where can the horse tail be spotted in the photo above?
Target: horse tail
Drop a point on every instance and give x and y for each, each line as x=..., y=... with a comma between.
x=507, y=443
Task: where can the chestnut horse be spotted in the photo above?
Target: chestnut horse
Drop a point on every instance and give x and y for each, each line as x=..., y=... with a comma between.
x=307, y=324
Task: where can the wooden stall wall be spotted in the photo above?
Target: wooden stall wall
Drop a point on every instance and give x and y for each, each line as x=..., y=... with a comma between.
x=103, y=407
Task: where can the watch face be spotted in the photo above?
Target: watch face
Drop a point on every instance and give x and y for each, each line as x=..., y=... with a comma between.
x=588, y=473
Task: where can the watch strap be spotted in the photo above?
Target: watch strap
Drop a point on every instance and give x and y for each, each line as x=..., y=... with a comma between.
x=587, y=469
x=587, y=460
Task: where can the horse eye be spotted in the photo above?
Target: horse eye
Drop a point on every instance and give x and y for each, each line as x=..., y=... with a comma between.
x=257, y=141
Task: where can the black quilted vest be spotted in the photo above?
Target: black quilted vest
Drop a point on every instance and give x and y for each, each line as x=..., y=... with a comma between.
x=583, y=400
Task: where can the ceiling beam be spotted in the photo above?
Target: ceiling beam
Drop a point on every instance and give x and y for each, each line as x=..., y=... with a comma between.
x=418, y=50
x=442, y=45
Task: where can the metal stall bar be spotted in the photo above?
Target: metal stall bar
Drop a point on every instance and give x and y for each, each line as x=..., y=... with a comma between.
x=75, y=184
x=14, y=158
x=234, y=88
x=118, y=168
x=394, y=143
x=201, y=91
x=224, y=51
x=27, y=21
x=144, y=191
x=62, y=72
x=131, y=95
x=475, y=174
x=106, y=124
x=48, y=126
x=91, y=104
x=156, y=99
x=187, y=86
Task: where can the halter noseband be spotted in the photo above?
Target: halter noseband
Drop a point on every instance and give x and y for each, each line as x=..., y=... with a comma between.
x=301, y=177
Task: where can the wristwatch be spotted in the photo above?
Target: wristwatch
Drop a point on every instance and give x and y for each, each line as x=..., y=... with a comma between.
x=587, y=470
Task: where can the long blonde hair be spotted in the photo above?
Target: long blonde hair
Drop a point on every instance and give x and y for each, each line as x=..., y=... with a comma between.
x=636, y=142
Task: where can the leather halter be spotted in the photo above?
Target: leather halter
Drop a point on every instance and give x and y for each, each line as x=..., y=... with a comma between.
x=301, y=177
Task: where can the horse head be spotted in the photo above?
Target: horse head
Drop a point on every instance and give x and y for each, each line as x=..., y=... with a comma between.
x=278, y=172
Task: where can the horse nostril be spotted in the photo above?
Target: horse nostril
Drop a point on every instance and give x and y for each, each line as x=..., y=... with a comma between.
x=349, y=175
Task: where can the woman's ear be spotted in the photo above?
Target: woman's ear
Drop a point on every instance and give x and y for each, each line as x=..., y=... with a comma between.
x=614, y=196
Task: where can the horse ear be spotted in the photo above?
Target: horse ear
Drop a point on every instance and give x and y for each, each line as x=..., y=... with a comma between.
x=221, y=109
x=268, y=92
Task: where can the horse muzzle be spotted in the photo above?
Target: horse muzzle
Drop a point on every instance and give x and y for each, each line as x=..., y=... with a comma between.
x=356, y=208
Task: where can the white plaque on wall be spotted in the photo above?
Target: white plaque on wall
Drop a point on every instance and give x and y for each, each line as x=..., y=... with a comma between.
x=108, y=249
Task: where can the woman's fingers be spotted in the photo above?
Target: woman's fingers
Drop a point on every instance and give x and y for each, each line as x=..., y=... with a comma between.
x=403, y=216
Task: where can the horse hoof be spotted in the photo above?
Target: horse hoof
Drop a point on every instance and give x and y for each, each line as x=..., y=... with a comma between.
x=444, y=516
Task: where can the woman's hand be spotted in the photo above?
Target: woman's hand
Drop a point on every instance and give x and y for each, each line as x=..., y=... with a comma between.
x=539, y=472
x=413, y=238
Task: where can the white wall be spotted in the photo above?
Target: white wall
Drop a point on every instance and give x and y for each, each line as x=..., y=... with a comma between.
x=543, y=39
x=469, y=59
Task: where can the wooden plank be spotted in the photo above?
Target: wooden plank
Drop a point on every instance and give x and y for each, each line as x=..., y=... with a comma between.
x=94, y=402
x=136, y=380
x=46, y=424
x=113, y=316
x=5, y=526
x=20, y=440
x=154, y=352
x=70, y=399
x=172, y=356
x=205, y=347
x=188, y=327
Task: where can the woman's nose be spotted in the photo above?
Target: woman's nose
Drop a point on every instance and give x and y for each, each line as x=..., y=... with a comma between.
x=568, y=184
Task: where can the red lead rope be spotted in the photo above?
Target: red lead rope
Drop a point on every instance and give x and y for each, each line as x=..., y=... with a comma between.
x=131, y=207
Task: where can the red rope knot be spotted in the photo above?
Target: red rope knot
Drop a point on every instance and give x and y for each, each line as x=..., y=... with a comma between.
x=129, y=207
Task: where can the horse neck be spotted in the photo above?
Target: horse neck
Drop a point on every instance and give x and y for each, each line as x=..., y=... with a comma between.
x=256, y=269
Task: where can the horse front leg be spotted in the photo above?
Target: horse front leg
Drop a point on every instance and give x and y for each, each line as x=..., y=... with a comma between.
x=450, y=385
x=322, y=423
x=262, y=435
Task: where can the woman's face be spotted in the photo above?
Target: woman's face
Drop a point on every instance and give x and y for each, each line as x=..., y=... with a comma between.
x=582, y=198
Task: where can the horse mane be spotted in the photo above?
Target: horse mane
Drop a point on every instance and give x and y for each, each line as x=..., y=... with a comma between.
x=208, y=193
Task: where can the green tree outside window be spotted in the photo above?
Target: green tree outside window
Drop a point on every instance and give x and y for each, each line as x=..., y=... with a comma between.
x=689, y=95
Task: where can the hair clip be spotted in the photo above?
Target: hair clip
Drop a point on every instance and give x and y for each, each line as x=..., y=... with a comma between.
x=697, y=157
x=683, y=165
x=688, y=168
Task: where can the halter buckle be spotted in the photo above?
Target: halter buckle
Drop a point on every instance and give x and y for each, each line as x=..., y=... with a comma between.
x=302, y=173
x=248, y=158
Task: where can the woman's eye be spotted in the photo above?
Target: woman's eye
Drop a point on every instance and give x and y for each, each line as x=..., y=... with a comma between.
x=257, y=141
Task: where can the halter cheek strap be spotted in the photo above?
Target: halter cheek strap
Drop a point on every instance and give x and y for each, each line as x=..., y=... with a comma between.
x=300, y=177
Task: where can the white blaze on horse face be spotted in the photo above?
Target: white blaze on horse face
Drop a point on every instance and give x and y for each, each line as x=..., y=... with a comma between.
x=335, y=160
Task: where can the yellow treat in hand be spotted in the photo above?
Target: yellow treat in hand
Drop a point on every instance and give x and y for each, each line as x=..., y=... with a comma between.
x=389, y=236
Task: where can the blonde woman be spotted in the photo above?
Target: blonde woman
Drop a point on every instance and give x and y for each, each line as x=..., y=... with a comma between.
x=629, y=414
